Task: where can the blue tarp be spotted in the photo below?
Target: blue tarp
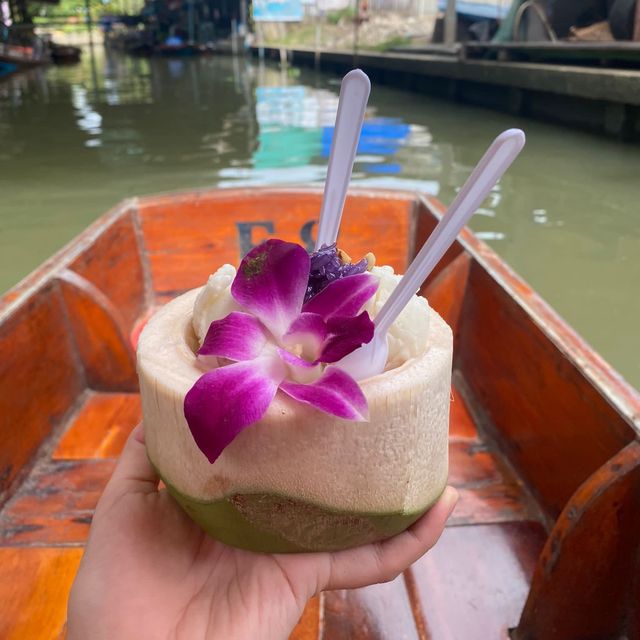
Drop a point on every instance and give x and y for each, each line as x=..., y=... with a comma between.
x=496, y=9
x=277, y=10
x=6, y=68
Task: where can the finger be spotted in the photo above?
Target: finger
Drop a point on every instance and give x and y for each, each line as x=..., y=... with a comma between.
x=383, y=561
x=134, y=472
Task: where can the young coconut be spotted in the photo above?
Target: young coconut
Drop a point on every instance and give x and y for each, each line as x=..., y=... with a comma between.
x=261, y=437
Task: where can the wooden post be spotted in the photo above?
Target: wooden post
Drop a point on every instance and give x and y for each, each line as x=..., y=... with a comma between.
x=450, y=23
x=636, y=29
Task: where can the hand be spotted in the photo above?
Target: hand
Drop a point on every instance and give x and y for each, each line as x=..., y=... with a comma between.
x=150, y=573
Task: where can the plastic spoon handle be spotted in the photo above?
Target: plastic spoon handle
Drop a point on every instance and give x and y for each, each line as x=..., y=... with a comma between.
x=497, y=159
x=354, y=93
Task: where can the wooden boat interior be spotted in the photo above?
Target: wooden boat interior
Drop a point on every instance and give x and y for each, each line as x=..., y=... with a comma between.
x=544, y=450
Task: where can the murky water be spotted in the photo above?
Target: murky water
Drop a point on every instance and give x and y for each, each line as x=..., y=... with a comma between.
x=76, y=140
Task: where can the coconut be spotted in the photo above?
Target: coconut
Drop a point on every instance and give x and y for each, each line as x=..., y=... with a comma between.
x=299, y=479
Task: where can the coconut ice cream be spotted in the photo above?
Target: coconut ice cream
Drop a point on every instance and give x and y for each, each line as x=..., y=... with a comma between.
x=256, y=431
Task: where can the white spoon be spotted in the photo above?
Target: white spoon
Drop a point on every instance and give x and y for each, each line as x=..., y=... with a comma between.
x=354, y=93
x=370, y=359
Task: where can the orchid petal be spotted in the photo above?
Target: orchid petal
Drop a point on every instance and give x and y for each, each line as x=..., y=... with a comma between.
x=348, y=335
x=225, y=401
x=238, y=336
x=300, y=370
x=271, y=283
x=307, y=335
x=308, y=323
x=335, y=393
x=344, y=297
x=294, y=360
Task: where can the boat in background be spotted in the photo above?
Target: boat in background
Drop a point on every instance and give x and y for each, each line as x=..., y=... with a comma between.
x=544, y=435
x=65, y=54
x=7, y=68
x=25, y=56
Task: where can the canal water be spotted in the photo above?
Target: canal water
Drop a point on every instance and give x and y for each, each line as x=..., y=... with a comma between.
x=75, y=140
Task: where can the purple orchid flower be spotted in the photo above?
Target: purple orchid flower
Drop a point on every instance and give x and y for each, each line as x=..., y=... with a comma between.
x=278, y=341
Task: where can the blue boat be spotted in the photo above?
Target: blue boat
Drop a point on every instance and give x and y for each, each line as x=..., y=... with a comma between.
x=7, y=68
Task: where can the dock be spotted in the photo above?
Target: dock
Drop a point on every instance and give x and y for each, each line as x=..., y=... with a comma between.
x=597, y=99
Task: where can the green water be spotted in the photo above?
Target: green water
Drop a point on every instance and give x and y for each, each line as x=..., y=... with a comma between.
x=76, y=140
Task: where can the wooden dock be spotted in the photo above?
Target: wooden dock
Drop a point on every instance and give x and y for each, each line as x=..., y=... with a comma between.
x=597, y=99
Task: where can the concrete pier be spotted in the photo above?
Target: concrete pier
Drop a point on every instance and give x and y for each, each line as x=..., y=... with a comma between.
x=605, y=101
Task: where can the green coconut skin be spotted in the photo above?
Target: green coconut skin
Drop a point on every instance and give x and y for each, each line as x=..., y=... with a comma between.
x=271, y=523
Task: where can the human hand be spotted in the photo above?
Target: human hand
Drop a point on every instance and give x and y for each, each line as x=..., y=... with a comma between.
x=150, y=573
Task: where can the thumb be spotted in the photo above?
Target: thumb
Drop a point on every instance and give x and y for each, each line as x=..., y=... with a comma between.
x=134, y=473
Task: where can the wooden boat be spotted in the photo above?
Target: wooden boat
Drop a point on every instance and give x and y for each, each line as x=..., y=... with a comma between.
x=177, y=50
x=65, y=54
x=544, y=436
x=24, y=56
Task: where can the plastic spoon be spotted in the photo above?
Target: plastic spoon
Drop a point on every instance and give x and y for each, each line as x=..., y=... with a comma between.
x=370, y=359
x=354, y=94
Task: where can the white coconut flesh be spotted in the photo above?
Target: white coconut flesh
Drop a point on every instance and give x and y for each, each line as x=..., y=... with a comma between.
x=396, y=463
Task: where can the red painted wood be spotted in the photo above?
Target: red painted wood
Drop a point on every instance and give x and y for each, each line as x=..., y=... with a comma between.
x=461, y=425
x=474, y=582
x=472, y=465
x=583, y=586
x=445, y=292
x=185, y=249
x=556, y=427
x=40, y=379
x=497, y=502
x=33, y=592
x=56, y=506
x=542, y=396
x=379, y=612
x=101, y=427
x=308, y=627
x=100, y=335
x=113, y=264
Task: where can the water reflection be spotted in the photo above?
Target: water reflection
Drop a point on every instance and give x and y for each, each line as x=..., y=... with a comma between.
x=75, y=140
x=295, y=130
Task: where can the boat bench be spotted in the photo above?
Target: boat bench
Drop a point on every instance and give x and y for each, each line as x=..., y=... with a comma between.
x=544, y=542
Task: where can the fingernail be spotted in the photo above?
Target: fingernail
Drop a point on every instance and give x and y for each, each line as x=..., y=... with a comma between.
x=450, y=498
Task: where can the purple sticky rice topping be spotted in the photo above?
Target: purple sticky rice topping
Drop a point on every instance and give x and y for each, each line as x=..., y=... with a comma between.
x=326, y=267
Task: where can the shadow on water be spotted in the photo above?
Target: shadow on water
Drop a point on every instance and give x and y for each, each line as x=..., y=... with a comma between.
x=76, y=140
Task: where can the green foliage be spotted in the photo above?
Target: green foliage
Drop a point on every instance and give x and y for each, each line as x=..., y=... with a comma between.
x=72, y=8
x=334, y=17
x=395, y=41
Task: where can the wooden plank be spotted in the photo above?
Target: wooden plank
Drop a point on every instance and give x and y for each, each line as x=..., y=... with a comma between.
x=100, y=336
x=583, y=584
x=614, y=85
x=472, y=465
x=461, y=425
x=445, y=292
x=34, y=586
x=308, y=627
x=56, y=505
x=378, y=612
x=218, y=227
x=101, y=427
x=427, y=215
x=112, y=263
x=39, y=379
x=472, y=585
x=491, y=503
x=537, y=403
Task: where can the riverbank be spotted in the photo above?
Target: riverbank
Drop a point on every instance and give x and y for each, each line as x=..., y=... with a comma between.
x=604, y=101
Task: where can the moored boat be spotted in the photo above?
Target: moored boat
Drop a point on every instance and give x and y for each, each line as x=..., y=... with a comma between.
x=544, y=435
